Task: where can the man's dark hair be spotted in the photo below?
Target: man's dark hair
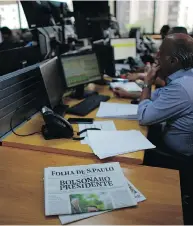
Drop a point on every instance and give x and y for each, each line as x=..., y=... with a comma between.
x=183, y=49
x=164, y=30
x=6, y=31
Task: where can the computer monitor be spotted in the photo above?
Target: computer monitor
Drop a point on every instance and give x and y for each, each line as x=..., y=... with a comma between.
x=38, y=13
x=105, y=57
x=80, y=69
x=18, y=58
x=92, y=9
x=88, y=18
x=53, y=82
x=124, y=48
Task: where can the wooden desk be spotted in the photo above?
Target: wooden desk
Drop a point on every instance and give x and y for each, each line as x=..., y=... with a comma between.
x=67, y=146
x=22, y=194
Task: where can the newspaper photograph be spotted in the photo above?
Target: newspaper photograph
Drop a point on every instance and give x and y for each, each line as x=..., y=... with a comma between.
x=86, y=189
x=66, y=219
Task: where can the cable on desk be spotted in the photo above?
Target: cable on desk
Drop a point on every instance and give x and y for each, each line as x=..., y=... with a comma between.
x=11, y=127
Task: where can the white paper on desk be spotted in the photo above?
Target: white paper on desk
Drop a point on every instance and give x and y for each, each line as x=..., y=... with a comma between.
x=103, y=125
x=111, y=143
x=66, y=219
x=119, y=67
x=115, y=110
x=127, y=86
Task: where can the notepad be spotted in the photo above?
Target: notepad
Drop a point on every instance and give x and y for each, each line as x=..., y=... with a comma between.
x=111, y=143
x=128, y=86
x=114, y=110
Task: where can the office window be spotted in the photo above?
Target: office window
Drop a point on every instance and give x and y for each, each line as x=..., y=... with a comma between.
x=24, y=23
x=140, y=14
x=9, y=16
x=174, y=13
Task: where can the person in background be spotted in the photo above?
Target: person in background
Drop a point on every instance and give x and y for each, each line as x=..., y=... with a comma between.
x=8, y=39
x=164, y=31
x=178, y=30
x=173, y=103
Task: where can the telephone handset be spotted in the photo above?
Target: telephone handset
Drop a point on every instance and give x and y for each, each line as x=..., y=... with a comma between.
x=55, y=126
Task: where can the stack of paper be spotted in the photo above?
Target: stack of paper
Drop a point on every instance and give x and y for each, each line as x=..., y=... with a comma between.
x=103, y=125
x=66, y=219
x=114, y=110
x=128, y=86
x=111, y=143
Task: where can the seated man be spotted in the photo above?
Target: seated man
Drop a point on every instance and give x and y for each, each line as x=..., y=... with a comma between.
x=173, y=103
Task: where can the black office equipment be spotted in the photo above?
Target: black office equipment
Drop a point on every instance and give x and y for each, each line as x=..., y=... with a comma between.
x=87, y=105
x=80, y=120
x=105, y=57
x=90, y=16
x=54, y=84
x=18, y=58
x=55, y=126
x=92, y=9
x=80, y=69
x=38, y=13
x=21, y=94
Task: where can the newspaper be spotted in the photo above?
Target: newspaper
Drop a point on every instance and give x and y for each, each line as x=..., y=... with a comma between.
x=66, y=219
x=85, y=189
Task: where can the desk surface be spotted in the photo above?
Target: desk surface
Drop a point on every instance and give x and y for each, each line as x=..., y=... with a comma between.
x=22, y=194
x=67, y=146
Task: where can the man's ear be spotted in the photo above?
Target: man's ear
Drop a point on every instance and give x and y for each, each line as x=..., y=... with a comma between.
x=174, y=60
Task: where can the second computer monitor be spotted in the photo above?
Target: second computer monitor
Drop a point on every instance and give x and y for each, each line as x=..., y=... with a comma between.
x=79, y=70
x=124, y=48
x=53, y=82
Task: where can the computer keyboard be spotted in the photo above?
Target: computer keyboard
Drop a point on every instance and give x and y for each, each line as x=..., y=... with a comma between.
x=87, y=105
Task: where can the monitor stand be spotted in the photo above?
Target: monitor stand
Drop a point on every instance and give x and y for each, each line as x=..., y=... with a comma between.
x=102, y=82
x=80, y=93
x=60, y=109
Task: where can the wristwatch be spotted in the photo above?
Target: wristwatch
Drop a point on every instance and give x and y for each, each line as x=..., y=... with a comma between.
x=146, y=85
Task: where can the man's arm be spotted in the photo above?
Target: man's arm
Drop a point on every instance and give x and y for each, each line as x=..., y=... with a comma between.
x=148, y=82
x=172, y=102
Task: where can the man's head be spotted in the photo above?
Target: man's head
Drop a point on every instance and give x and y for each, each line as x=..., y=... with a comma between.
x=176, y=52
x=164, y=31
x=6, y=33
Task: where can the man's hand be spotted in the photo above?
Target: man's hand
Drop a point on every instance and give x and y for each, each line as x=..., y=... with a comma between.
x=120, y=93
x=133, y=76
x=124, y=94
x=152, y=75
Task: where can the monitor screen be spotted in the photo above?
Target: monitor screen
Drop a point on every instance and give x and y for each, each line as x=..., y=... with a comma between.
x=124, y=48
x=55, y=86
x=79, y=70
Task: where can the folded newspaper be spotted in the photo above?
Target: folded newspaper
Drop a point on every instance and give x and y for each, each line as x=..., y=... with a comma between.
x=66, y=219
x=85, y=189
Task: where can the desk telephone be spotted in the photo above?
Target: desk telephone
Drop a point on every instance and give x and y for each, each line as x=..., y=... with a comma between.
x=57, y=127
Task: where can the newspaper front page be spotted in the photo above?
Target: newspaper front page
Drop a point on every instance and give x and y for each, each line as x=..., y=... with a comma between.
x=86, y=189
x=66, y=219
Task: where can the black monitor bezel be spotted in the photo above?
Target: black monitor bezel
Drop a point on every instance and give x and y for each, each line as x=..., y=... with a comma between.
x=77, y=54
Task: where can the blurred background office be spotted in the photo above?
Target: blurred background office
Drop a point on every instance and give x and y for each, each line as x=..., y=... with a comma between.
x=39, y=23
x=150, y=16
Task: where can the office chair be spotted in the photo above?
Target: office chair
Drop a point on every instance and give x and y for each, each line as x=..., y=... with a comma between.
x=184, y=164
